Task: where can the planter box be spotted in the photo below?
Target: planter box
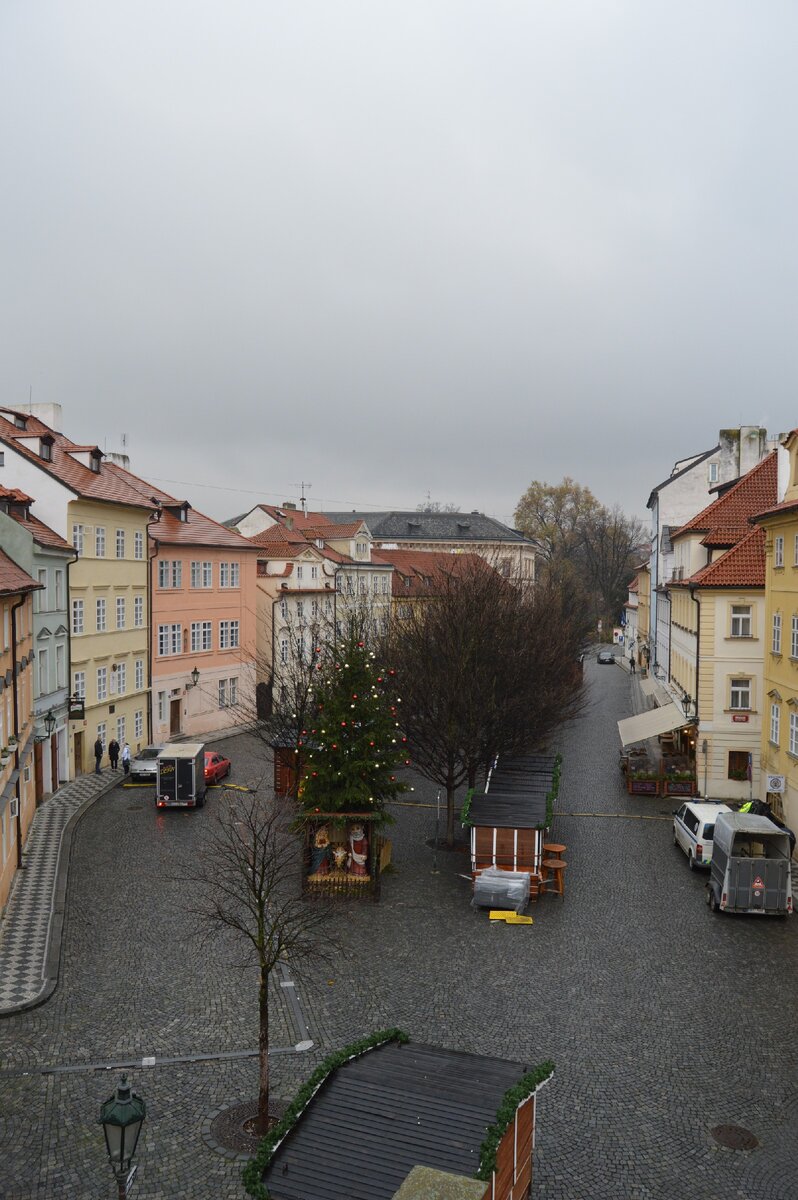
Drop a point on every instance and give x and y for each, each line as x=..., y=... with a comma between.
x=678, y=787
x=642, y=787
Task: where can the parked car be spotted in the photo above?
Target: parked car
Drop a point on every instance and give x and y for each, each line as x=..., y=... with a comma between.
x=694, y=829
x=143, y=766
x=216, y=766
x=605, y=656
x=750, y=870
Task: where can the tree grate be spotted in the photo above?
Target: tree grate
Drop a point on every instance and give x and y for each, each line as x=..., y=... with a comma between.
x=734, y=1137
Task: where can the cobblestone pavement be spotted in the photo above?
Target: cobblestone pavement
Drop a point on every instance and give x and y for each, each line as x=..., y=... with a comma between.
x=663, y=1020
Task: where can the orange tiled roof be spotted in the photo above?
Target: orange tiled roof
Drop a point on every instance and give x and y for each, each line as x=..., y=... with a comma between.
x=421, y=567
x=728, y=519
x=13, y=578
x=775, y=509
x=197, y=530
x=113, y=484
x=42, y=534
x=741, y=567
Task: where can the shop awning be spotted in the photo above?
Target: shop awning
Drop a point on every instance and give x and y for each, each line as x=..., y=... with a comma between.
x=650, y=687
x=651, y=724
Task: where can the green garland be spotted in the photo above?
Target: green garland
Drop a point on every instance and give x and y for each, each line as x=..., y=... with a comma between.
x=252, y=1174
x=513, y=1097
x=552, y=795
x=466, y=809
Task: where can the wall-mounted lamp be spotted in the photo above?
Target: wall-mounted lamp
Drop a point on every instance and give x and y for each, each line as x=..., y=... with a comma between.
x=194, y=678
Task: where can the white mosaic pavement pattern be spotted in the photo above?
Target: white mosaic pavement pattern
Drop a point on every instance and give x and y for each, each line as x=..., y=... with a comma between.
x=26, y=926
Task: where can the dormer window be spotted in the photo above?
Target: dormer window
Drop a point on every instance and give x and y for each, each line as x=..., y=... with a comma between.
x=20, y=421
x=46, y=448
x=95, y=458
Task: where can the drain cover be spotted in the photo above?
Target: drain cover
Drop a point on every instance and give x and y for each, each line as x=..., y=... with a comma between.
x=734, y=1137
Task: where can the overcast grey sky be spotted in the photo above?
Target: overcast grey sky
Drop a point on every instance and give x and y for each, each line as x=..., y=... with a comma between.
x=396, y=248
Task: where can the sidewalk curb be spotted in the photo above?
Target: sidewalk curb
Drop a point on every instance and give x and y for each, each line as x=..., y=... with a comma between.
x=52, y=963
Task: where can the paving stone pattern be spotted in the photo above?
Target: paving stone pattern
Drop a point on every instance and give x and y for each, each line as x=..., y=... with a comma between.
x=664, y=1020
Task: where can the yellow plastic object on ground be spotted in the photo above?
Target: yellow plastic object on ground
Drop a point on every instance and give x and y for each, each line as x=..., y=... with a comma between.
x=509, y=917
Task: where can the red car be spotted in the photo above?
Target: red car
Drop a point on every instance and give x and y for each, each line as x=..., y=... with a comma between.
x=216, y=766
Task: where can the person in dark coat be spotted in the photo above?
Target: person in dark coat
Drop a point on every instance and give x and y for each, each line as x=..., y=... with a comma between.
x=98, y=754
x=113, y=753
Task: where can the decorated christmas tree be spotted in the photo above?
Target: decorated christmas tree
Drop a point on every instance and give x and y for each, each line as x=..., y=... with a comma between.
x=355, y=744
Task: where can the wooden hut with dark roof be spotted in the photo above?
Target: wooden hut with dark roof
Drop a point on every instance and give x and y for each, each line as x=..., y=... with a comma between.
x=397, y=1108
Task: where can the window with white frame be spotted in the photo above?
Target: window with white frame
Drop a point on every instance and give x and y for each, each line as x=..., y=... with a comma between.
x=170, y=573
x=300, y=609
x=228, y=574
x=201, y=574
x=120, y=612
x=120, y=730
x=201, y=638
x=100, y=612
x=713, y=472
x=162, y=706
x=44, y=671
x=102, y=734
x=363, y=585
x=284, y=609
x=327, y=605
x=138, y=544
x=170, y=640
x=795, y=551
x=794, y=637
x=232, y=690
x=78, y=532
x=41, y=596
x=740, y=693
x=222, y=693
x=120, y=543
x=314, y=608
x=102, y=683
x=299, y=571
x=778, y=551
x=138, y=724
x=375, y=584
x=284, y=648
x=741, y=620
x=59, y=588
x=139, y=674
x=385, y=584
x=350, y=585
x=314, y=572
x=775, y=721
x=77, y=616
x=775, y=645
x=121, y=678
x=138, y=611
x=300, y=646
x=99, y=541
x=794, y=733
x=228, y=635
x=79, y=684
x=361, y=549
x=60, y=665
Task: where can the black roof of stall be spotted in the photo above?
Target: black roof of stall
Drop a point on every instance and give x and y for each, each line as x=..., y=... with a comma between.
x=386, y=1112
x=508, y=810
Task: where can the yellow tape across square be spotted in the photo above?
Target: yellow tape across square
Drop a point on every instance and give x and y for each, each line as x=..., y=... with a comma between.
x=509, y=917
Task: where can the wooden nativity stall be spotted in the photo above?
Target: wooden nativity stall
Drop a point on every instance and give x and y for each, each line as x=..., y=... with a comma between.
x=510, y=820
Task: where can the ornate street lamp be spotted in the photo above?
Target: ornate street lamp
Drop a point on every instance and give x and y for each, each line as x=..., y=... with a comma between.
x=122, y=1118
x=194, y=678
x=49, y=723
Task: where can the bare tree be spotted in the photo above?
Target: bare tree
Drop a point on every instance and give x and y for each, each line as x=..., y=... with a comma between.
x=614, y=545
x=249, y=883
x=485, y=667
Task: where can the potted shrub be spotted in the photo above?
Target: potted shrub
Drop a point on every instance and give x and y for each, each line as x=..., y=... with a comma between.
x=5, y=754
x=12, y=741
x=643, y=782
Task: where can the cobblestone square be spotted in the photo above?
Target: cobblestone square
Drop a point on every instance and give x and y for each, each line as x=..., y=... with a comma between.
x=662, y=1019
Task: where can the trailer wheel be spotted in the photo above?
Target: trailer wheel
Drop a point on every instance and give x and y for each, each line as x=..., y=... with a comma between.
x=713, y=904
x=201, y=801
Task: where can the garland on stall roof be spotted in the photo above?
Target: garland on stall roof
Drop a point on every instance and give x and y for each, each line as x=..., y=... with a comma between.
x=466, y=809
x=252, y=1174
x=512, y=1099
x=552, y=795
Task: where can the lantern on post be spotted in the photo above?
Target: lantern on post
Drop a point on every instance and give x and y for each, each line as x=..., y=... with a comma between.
x=122, y=1117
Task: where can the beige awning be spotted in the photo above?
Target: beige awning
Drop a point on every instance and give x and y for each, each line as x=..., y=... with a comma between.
x=651, y=724
x=650, y=687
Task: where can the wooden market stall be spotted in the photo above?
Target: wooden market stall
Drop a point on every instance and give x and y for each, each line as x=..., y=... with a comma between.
x=510, y=820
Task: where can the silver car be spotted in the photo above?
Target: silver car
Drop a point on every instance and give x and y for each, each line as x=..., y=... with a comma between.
x=143, y=765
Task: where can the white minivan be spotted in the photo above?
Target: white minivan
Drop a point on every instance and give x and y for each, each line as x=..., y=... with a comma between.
x=694, y=827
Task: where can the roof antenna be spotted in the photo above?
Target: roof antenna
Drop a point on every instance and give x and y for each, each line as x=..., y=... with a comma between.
x=302, y=498
x=30, y=397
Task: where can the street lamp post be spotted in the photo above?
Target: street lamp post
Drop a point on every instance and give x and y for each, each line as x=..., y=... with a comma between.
x=122, y=1117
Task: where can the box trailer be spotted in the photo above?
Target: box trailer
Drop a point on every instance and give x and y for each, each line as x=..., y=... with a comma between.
x=180, y=780
x=750, y=868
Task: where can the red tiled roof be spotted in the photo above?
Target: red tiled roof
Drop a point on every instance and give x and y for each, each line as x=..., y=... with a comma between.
x=42, y=534
x=15, y=496
x=741, y=567
x=113, y=484
x=331, y=532
x=728, y=519
x=785, y=507
x=422, y=567
x=13, y=578
x=197, y=530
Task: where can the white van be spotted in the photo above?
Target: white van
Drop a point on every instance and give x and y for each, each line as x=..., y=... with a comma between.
x=694, y=827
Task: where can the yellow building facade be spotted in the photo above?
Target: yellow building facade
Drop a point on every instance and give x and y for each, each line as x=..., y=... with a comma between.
x=109, y=627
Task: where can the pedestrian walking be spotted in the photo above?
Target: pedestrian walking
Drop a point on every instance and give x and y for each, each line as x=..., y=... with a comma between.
x=632, y=664
x=126, y=758
x=98, y=754
x=113, y=753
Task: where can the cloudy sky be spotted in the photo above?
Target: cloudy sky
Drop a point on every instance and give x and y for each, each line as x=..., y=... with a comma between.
x=439, y=246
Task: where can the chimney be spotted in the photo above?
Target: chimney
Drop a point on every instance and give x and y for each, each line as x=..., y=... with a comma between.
x=290, y=504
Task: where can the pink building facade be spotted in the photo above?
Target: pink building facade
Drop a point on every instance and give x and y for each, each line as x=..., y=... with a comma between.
x=203, y=597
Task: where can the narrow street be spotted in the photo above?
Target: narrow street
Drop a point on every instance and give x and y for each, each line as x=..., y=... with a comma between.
x=662, y=1019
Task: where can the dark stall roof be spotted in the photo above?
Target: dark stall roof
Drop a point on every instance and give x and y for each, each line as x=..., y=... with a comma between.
x=508, y=810
x=386, y=1112
x=525, y=762
x=532, y=784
